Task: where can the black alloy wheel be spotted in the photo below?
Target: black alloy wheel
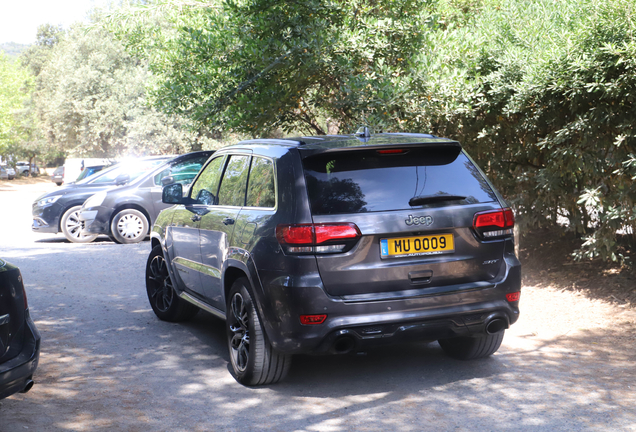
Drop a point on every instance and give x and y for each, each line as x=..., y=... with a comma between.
x=253, y=359
x=165, y=302
x=240, y=338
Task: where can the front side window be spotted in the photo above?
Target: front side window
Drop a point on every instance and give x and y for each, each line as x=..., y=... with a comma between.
x=234, y=182
x=260, y=190
x=205, y=188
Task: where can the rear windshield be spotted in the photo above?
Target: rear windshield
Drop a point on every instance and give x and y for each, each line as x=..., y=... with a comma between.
x=365, y=181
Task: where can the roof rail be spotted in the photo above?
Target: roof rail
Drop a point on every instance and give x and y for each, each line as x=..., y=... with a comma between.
x=421, y=135
x=274, y=141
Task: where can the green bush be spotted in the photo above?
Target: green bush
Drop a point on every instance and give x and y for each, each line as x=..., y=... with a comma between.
x=542, y=94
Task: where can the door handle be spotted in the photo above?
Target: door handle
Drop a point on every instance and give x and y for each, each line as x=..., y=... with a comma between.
x=228, y=221
x=195, y=218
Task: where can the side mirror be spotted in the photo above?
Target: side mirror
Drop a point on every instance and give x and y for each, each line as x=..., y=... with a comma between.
x=167, y=180
x=173, y=194
x=122, y=179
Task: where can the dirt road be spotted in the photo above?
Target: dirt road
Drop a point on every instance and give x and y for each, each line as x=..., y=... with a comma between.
x=108, y=364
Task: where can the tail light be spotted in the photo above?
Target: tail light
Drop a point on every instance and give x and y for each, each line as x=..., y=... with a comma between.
x=317, y=238
x=494, y=223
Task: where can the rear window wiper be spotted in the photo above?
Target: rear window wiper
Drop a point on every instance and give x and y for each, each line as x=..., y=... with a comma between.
x=428, y=199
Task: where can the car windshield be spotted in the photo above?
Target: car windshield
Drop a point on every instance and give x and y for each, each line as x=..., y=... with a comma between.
x=133, y=169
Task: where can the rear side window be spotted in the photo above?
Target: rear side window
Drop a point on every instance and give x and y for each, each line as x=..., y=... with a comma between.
x=260, y=190
x=234, y=182
x=365, y=181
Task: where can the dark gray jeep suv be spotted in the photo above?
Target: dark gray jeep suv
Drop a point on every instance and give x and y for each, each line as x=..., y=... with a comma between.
x=335, y=243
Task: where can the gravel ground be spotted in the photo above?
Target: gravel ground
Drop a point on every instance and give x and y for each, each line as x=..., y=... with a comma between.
x=108, y=364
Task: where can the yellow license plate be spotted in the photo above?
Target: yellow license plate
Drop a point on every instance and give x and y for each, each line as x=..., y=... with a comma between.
x=417, y=246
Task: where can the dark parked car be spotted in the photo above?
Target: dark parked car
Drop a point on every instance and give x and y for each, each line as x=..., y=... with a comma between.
x=58, y=176
x=58, y=211
x=334, y=243
x=126, y=213
x=19, y=339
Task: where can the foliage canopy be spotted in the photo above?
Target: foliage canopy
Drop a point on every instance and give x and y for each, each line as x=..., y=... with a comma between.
x=541, y=92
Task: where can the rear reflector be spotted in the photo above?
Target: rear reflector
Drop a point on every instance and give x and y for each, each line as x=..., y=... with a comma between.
x=513, y=297
x=312, y=319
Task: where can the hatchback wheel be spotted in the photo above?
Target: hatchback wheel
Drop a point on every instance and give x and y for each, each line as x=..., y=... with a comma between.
x=254, y=361
x=72, y=228
x=470, y=348
x=129, y=226
x=165, y=302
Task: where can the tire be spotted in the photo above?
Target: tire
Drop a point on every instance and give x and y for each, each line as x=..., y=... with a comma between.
x=129, y=226
x=71, y=227
x=470, y=348
x=163, y=298
x=254, y=361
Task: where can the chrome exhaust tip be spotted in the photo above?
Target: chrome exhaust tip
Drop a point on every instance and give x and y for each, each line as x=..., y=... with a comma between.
x=496, y=325
x=28, y=385
x=343, y=345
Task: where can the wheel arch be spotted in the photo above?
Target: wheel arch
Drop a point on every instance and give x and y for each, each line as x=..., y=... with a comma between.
x=235, y=269
x=231, y=275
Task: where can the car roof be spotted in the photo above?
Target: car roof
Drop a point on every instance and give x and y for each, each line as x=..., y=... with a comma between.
x=318, y=144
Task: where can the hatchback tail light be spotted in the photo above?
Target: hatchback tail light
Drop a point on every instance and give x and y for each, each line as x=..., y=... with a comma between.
x=494, y=223
x=317, y=238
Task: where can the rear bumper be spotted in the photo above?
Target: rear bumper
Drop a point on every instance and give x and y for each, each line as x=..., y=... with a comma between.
x=465, y=310
x=16, y=373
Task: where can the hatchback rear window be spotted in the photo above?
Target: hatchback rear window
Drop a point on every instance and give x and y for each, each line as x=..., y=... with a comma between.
x=366, y=181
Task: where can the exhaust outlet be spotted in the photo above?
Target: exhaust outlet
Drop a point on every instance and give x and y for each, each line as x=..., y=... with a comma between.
x=496, y=325
x=27, y=385
x=343, y=345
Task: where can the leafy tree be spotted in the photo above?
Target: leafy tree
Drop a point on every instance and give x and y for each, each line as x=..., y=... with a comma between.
x=37, y=55
x=540, y=92
x=15, y=82
x=91, y=100
x=256, y=66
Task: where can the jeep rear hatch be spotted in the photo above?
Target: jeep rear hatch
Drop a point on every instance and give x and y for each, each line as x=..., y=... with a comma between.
x=414, y=207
